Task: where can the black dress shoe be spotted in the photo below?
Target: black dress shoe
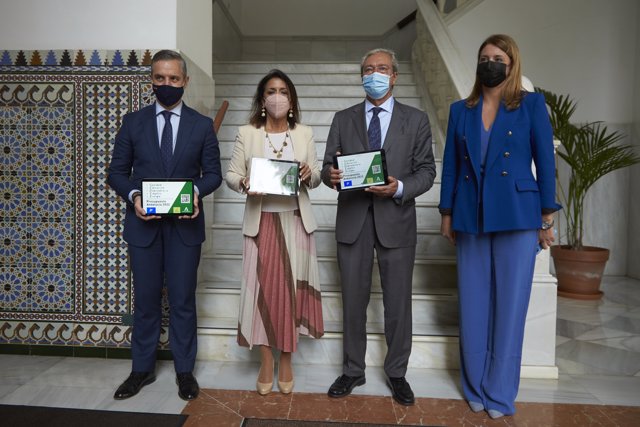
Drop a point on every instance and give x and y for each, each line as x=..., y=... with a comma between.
x=132, y=385
x=344, y=384
x=188, y=388
x=401, y=390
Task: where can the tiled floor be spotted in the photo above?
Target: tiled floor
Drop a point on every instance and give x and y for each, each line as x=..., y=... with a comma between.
x=598, y=354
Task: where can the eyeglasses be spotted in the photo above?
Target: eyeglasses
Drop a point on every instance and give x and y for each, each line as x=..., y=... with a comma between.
x=370, y=69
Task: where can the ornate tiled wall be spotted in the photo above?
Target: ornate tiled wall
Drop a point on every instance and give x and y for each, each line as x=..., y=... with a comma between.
x=64, y=276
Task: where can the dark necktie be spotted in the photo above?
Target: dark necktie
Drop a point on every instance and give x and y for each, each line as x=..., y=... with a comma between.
x=374, y=133
x=166, y=143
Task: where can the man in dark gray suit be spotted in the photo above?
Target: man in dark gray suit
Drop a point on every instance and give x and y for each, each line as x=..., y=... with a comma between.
x=381, y=218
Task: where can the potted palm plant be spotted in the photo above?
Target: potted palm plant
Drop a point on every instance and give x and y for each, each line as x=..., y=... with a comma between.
x=591, y=151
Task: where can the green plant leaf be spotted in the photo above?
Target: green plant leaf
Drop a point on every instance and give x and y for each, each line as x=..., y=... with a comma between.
x=591, y=151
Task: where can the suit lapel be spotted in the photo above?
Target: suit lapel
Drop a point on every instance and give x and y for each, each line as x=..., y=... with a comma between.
x=360, y=124
x=151, y=131
x=472, y=123
x=396, y=126
x=501, y=128
x=184, y=136
x=298, y=147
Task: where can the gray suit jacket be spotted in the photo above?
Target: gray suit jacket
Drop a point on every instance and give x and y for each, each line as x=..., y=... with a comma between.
x=409, y=158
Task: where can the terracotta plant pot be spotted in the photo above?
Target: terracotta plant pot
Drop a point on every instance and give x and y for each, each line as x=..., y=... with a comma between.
x=579, y=273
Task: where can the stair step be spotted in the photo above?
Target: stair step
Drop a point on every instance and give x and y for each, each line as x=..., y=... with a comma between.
x=226, y=151
x=296, y=67
x=427, y=309
x=312, y=118
x=225, y=90
x=228, y=133
x=429, y=241
x=335, y=327
x=437, y=350
x=231, y=211
x=322, y=193
x=437, y=271
x=234, y=287
x=243, y=103
x=324, y=79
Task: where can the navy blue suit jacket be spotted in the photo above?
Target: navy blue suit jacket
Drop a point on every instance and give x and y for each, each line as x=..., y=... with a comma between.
x=136, y=155
x=512, y=197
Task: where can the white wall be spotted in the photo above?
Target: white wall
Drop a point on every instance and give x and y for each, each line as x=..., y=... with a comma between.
x=318, y=17
x=633, y=266
x=88, y=24
x=588, y=49
x=227, y=40
x=116, y=24
x=582, y=47
x=194, y=33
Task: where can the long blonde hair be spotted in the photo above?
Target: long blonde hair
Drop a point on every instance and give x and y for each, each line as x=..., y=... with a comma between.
x=512, y=90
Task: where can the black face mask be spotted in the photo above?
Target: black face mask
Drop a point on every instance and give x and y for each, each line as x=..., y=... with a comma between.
x=491, y=73
x=168, y=95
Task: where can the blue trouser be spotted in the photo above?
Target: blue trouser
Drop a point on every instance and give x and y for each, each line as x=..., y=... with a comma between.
x=495, y=272
x=167, y=260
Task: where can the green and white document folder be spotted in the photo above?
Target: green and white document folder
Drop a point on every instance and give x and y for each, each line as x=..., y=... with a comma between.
x=361, y=170
x=167, y=196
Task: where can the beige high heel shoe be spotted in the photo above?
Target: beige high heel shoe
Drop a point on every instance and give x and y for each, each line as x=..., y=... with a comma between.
x=285, y=387
x=265, y=388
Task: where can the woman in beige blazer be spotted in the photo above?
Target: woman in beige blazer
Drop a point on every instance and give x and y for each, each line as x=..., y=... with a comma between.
x=280, y=296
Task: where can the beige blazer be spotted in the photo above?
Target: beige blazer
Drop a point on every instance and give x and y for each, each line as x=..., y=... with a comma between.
x=249, y=144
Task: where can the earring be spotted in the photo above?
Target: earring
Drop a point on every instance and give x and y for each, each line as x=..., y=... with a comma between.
x=291, y=112
x=263, y=113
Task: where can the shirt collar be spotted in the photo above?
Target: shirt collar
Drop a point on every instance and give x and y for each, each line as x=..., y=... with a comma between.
x=386, y=105
x=177, y=110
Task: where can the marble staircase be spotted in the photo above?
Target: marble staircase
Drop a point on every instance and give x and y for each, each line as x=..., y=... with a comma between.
x=323, y=89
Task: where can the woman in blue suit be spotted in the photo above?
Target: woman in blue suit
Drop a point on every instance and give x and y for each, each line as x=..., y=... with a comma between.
x=496, y=212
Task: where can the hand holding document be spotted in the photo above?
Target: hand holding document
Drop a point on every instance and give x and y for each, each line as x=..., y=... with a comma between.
x=167, y=196
x=269, y=176
x=361, y=170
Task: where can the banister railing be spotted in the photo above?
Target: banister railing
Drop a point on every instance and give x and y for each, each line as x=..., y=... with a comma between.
x=217, y=121
x=440, y=69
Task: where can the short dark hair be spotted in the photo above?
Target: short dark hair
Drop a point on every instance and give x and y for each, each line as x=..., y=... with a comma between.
x=256, y=118
x=169, y=55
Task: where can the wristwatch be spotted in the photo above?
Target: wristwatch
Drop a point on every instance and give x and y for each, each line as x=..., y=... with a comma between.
x=547, y=225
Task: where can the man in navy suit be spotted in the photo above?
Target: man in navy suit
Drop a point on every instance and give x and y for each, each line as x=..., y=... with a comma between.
x=164, y=140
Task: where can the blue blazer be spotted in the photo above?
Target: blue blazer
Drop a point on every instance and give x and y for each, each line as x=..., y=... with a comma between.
x=511, y=197
x=136, y=155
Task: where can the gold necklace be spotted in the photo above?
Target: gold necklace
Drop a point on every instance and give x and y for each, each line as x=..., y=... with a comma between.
x=278, y=153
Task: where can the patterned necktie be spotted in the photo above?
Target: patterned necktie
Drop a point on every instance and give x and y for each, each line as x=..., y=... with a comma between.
x=166, y=143
x=374, y=133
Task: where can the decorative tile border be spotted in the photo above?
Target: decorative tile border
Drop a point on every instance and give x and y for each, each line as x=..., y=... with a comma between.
x=75, y=58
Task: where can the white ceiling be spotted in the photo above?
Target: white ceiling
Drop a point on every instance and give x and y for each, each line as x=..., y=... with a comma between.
x=317, y=17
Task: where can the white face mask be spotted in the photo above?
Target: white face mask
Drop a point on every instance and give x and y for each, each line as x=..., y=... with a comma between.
x=277, y=105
